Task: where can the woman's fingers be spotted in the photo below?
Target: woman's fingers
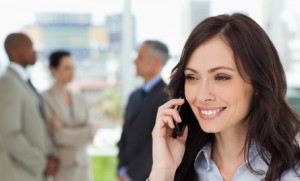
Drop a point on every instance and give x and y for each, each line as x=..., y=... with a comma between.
x=166, y=113
x=184, y=135
x=168, y=121
x=171, y=103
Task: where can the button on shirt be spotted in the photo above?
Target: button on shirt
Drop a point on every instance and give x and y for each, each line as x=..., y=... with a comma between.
x=207, y=170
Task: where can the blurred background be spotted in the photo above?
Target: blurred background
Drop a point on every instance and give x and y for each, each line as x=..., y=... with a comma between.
x=103, y=35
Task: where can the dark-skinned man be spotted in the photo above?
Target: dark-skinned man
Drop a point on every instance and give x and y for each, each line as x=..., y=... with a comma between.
x=25, y=146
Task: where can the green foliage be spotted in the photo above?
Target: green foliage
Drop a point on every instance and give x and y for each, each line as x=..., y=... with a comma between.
x=111, y=103
x=104, y=168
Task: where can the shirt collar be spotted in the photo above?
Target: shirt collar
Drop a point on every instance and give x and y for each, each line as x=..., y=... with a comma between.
x=20, y=70
x=151, y=83
x=203, y=158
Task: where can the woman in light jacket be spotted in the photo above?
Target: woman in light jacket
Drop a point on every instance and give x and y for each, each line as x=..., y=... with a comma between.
x=69, y=121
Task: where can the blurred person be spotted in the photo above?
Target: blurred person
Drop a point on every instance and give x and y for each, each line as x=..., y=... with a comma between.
x=135, y=145
x=68, y=115
x=239, y=126
x=25, y=146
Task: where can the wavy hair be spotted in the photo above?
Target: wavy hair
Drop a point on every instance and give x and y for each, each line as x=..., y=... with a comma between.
x=274, y=126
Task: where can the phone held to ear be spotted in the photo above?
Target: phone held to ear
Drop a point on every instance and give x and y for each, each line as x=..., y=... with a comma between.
x=179, y=127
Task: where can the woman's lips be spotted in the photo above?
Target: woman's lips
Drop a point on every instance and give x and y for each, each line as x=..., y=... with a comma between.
x=210, y=113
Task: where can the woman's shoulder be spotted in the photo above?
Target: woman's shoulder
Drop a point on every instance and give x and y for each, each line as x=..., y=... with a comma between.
x=47, y=93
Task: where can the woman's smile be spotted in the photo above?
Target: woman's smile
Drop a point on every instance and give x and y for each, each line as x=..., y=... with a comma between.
x=210, y=113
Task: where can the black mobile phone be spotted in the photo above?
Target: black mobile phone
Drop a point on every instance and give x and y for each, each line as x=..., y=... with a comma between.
x=179, y=127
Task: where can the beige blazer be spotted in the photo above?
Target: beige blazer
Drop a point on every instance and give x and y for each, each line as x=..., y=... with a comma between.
x=24, y=142
x=72, y=139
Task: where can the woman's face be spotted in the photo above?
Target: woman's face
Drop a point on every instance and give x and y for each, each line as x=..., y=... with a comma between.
x=64, y=73
x=217, y=94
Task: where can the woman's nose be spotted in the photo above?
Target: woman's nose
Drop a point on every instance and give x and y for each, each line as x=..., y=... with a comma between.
x=205, y=93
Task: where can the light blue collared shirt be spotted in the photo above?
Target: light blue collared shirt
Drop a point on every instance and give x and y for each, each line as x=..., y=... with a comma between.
x=207, y=170
x=151, y=83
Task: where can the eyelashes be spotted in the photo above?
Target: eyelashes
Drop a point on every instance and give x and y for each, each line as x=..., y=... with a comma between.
x=189, y=77
x=219, y=77
x=222, y=77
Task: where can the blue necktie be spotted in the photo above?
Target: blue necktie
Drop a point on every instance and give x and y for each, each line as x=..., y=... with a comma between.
x=141, y=94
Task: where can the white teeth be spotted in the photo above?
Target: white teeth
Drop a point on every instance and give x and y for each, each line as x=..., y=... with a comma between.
x=211, y=112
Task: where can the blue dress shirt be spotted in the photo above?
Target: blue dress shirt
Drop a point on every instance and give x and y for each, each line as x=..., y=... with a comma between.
x=207, y=170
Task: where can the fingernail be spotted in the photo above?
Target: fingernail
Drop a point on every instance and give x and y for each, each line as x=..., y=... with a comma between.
x=179, y=118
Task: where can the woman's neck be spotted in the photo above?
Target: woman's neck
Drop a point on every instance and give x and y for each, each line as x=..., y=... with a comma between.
x=60, y=87
x=228, y=152
x=64, y=93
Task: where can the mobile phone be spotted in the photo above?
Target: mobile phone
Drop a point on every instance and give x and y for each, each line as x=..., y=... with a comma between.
x=179, y=127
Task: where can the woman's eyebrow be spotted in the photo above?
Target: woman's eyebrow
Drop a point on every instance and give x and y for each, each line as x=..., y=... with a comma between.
x=220, y=67
x=211, y=70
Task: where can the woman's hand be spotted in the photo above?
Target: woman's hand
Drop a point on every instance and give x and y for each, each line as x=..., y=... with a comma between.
x=54, y=123
x=167, y=151
x=93, y=128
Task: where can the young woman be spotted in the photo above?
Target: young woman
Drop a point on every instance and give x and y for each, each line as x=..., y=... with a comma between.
x=69, y=121
x=239, y=126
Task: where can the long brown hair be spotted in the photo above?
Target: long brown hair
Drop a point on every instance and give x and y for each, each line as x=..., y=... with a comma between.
x=274, y=126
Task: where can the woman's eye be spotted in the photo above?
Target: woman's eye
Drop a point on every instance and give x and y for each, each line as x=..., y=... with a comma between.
x=189, y=77
x=222, y=77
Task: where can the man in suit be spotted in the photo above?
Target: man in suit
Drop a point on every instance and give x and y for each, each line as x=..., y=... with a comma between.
x=135, y=145
x=25, y=148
